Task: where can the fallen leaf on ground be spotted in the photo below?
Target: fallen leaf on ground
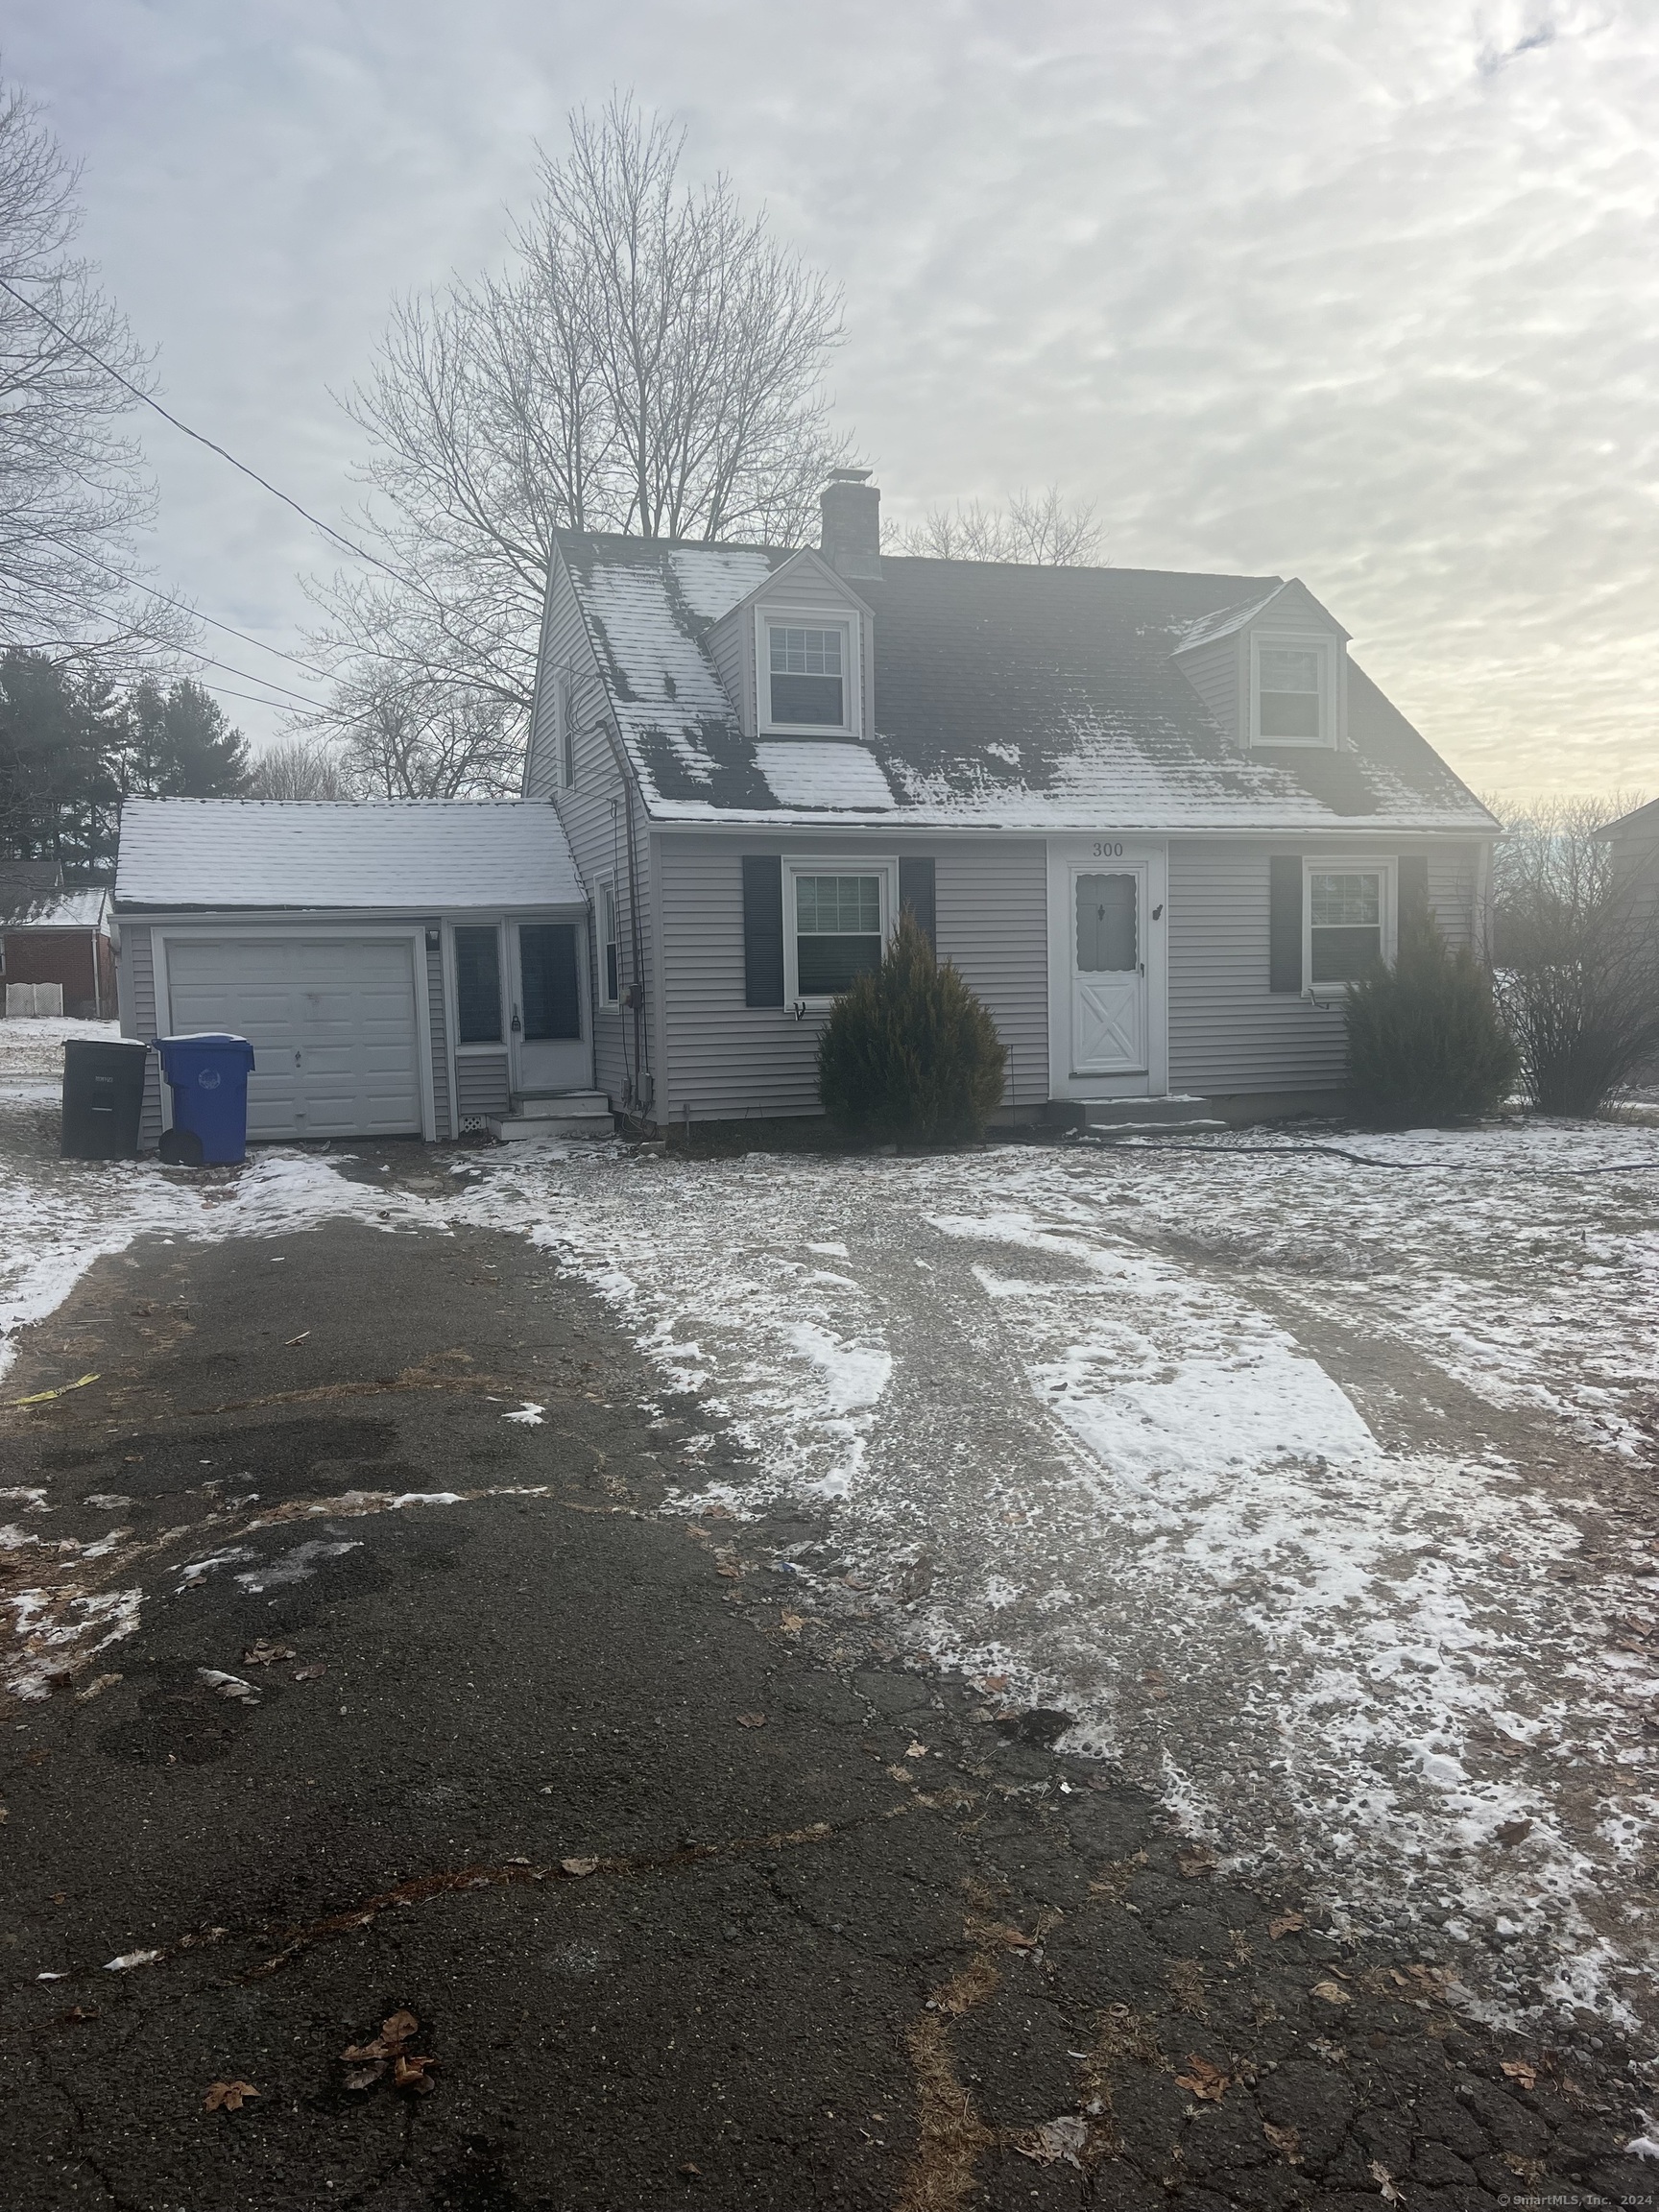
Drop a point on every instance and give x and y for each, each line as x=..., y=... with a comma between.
x=1509, y=1833
x=227, y=1685
x=126, y=1961
x=899, y=1773
x=1332, y=1993
x=578, y=1867
x=300, y=1339
x=916, y=1750
x=96, y=1687
x=411, y=2073
x=1287, y=1924
x=1522, y=2070
x=751, y=1719
x=228, y=2096
x=312, y=1673
x=1202, y=2079
x=1286, y=2141
x=396, y=2031
x=1385, y=2181
x=792, y=1624
x=1057, y=2142
x=1194, y=1859
x=364, y=2076
x=993, y=1682
x=263, y=1655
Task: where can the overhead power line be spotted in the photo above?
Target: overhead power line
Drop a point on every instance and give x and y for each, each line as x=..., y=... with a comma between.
x=213, y=446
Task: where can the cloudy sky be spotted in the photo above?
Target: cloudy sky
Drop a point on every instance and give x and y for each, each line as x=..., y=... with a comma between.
x=1366, y=293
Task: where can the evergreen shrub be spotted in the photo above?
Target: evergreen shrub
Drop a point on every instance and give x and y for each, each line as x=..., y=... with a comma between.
x=909, y=1056
x=1426, y=1042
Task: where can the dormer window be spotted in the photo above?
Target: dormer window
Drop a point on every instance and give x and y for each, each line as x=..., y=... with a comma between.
x=806, y=671
x=808, y=668
x=1294, y=690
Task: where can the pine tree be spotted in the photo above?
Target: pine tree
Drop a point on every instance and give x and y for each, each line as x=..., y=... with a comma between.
x=908, y=1053
x=181, y=744
x=1426, y=1042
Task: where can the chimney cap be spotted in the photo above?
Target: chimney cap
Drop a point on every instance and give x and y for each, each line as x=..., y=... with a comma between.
x=849, y=475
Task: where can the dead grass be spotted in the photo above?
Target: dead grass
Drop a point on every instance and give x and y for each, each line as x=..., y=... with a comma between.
x=951, y=2137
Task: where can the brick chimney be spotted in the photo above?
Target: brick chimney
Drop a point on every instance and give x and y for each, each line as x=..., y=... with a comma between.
x=851, y=535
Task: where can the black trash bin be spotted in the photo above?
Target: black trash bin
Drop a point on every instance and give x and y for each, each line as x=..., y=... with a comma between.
x=103, y=1098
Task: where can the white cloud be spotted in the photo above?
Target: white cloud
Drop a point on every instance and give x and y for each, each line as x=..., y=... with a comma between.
x=1365, y=293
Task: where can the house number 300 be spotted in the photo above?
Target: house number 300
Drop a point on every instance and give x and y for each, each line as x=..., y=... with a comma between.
x=1108, y=851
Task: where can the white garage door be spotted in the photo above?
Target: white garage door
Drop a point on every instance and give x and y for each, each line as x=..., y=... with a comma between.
x=331, y=1020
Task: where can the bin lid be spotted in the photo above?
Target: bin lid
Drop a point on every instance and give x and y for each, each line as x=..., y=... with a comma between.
x=206, y=1041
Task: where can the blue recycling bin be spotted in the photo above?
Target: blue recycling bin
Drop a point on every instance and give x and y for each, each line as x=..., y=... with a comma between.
x=208, y=1075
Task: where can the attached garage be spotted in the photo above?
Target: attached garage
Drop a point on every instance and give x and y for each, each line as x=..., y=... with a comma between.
x=334, y=1024
x=412, y=967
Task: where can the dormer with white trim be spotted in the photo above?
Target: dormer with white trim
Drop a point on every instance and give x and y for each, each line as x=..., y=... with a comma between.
x=795, y=656
x=1273, y=673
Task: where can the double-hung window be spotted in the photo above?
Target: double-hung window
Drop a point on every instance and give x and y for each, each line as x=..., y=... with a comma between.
x=1293, y=692
x=1348, y=922
x=610, y=967
x=836, y=925
x=807, y=668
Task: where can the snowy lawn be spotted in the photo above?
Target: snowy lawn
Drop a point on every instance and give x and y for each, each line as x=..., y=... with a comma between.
x=1316, y=1490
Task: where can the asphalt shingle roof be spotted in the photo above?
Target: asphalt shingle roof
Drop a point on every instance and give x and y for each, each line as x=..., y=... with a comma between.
x=1005, y=696
x=409, y=855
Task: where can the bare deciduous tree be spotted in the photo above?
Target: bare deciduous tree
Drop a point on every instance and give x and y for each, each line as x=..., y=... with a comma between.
x=402, y=740
x=72, y=483
x=296, y=768
x=650, y=362
x=1035, y=529
x=1576, y=955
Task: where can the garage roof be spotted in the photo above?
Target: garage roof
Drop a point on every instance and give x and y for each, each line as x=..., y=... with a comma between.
x=414, y=856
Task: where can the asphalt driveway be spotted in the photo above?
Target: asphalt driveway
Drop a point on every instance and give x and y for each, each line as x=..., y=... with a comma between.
x=400, y=1681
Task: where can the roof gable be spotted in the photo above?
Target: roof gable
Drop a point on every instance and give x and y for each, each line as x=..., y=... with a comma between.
x=1290, y=599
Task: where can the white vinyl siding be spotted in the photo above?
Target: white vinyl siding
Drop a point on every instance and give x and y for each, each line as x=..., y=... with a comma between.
x=726, y=1060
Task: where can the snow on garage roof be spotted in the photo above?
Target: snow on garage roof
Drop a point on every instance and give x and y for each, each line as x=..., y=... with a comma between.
x=411, y=856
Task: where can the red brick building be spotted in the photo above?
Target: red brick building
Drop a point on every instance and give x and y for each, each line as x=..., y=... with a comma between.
x=51, y=935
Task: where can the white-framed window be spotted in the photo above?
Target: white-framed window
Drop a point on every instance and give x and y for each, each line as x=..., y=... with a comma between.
x=838, y=914
x=609, y=958
x=565, y=723
x=1293, y=685
x=806, y=671
x=1348, y=921
x=478, y=975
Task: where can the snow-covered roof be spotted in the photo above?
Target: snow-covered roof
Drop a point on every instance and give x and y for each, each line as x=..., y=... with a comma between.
x=420, y=856
x=1006, y=697
x=83, y=909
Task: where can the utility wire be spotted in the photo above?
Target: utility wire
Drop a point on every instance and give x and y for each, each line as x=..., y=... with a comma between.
x=139, y=584
x=139, y=393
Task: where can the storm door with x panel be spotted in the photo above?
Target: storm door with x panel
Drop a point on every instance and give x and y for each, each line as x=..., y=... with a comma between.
x=1107, y=970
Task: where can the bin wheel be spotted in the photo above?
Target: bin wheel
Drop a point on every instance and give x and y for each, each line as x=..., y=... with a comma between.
x=180, y=1148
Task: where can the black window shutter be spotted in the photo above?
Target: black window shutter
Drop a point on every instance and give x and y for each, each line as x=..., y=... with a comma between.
x=1414, y=879
x=1285, y=923
x=916, y=891
x=762, y=929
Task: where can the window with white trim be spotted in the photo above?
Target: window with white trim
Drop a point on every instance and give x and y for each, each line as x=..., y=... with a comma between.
x=838, y=915
x=1348, y=923
x=610, y=964
x=1293, y=692
x=806, y=671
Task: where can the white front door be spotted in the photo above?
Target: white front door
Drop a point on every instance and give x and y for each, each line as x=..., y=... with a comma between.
x=552, y=1046
x=1107, y=970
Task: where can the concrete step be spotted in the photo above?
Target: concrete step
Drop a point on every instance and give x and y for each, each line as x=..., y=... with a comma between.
x=543, y=1105
x=1139, y=1116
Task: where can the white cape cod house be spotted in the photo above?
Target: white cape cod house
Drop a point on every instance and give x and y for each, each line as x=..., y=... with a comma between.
x=1157, y=820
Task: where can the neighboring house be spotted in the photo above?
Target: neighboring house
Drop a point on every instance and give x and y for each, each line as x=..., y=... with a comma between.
x=401, y=967
x=1158, y=821
x=51, y=935
x=1635, y=842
